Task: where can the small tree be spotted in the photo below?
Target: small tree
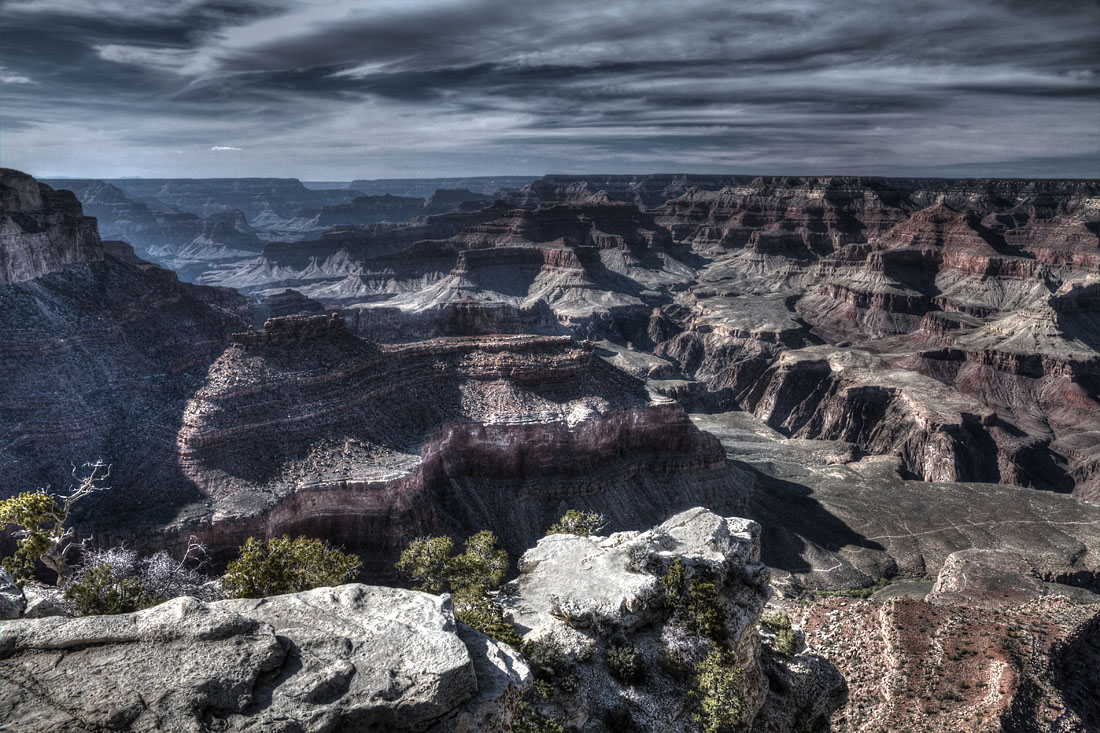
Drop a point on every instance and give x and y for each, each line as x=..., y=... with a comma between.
x=579, y=523
x=480, y=567
x=469, y=577
x=285, y=565
x=425, y=560
x=40, y=517
x=428, y=561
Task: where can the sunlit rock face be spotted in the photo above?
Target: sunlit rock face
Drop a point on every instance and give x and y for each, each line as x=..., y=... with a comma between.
x=41, y=230
x=588, y=596
x=378, y=658
x=352, y=656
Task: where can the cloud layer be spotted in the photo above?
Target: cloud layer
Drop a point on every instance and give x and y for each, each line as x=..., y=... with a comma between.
x=337, y=89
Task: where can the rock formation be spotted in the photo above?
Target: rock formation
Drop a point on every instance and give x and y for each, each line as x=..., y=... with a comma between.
x=990, y=649
x=352, y=657
x=179, y=240
x=895, y=332
x=486, y=186
x=302, y=427
x=361, y=657
x=985, y=579
x=585, y=597
x=894, y=378
x=98, y=349
x=41, y=230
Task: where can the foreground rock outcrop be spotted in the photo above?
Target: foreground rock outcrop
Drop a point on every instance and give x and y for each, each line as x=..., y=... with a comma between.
x=585, y=601
x=361, y=657
x=348, y=658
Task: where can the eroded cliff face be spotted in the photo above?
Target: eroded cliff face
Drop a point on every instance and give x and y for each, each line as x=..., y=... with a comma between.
x=890, y=331
x=41, y=230
x=98, y=351
x=223, y=431
x=179, y=240
x=304, y=428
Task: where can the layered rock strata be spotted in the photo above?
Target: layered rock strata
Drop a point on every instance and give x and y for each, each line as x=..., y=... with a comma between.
x=98, y=351
x=301, y=427
x=41, y=230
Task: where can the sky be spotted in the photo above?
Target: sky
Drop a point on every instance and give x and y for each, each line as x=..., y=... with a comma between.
x=342, y=89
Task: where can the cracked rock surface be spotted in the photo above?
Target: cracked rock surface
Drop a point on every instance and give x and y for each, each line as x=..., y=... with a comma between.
x=353, y=657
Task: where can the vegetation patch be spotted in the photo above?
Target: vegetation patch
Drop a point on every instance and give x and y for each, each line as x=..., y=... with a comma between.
x=284, y=565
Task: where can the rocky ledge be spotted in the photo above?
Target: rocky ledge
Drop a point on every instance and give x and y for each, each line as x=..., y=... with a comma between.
x=362, y=657
x=354, y=657
x=989, y=648
x=589, y=598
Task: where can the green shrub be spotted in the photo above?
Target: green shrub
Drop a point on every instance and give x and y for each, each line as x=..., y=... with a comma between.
x=546, y=657
x=285, y=565
x=717, y=693
x=468, y=577
x=41, y=534
x=481, y=566
x=102, y=592
x=776, y=621
x=785, y=642
x=425, y=561
x=529, y=720
x=626, y=663
x=475, y=608
x=579, y=523
x=674, y=583
x=703, y=611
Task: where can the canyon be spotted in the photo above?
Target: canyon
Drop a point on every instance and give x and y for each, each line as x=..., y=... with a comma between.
x=880, y=375
x=855, y=346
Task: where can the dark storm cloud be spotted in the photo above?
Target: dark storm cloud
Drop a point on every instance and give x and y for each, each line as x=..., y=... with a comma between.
x=344, y=89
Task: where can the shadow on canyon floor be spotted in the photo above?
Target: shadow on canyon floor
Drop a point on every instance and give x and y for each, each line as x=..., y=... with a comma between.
x=794, y=523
